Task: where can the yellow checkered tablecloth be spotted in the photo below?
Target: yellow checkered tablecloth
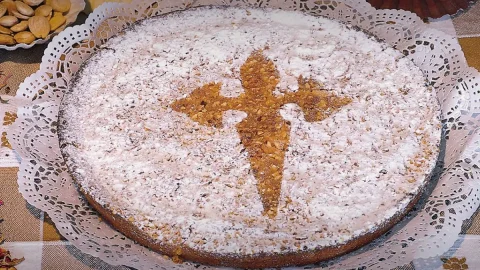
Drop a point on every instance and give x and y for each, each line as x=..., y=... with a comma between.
x=29, y=232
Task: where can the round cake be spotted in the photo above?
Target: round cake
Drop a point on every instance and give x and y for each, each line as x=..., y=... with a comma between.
x=249, y=138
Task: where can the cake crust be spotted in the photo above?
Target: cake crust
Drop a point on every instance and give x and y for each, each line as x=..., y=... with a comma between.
x=179, y=253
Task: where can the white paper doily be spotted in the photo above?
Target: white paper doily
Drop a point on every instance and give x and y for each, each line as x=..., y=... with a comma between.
x=429, y=231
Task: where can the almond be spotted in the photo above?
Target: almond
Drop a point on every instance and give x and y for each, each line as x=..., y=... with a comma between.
x=8, y=21
x=4, y=30
x=20, y=15
x=10, y=5
x=43, y=10
x=39, y=26
x=3, y=9
x=6, y=40
x=24, y=8
x=33, y=3
x=56, y=22
x=61, y=5
x=19, y=27
x=24, y=37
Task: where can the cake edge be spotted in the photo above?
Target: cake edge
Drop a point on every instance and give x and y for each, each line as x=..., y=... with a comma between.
x=178, y=253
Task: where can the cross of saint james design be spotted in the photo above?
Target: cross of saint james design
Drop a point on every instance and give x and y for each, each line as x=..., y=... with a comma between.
x=264, y=133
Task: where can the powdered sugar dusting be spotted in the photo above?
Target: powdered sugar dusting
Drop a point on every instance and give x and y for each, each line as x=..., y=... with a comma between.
x=183, y=182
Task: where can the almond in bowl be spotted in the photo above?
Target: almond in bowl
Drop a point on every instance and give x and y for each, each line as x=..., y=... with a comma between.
x=42, y=19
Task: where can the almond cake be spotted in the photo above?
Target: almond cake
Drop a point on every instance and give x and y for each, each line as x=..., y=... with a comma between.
x=249, y=137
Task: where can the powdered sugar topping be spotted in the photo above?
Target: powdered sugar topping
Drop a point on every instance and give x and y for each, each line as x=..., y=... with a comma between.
x=180, y=181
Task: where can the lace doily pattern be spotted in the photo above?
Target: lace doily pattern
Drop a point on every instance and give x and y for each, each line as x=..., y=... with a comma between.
x=428, y=231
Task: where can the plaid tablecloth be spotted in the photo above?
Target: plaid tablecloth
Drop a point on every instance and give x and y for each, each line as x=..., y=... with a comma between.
x=29, y=232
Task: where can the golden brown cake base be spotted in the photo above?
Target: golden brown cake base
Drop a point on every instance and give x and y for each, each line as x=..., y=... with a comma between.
x=180, y=252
